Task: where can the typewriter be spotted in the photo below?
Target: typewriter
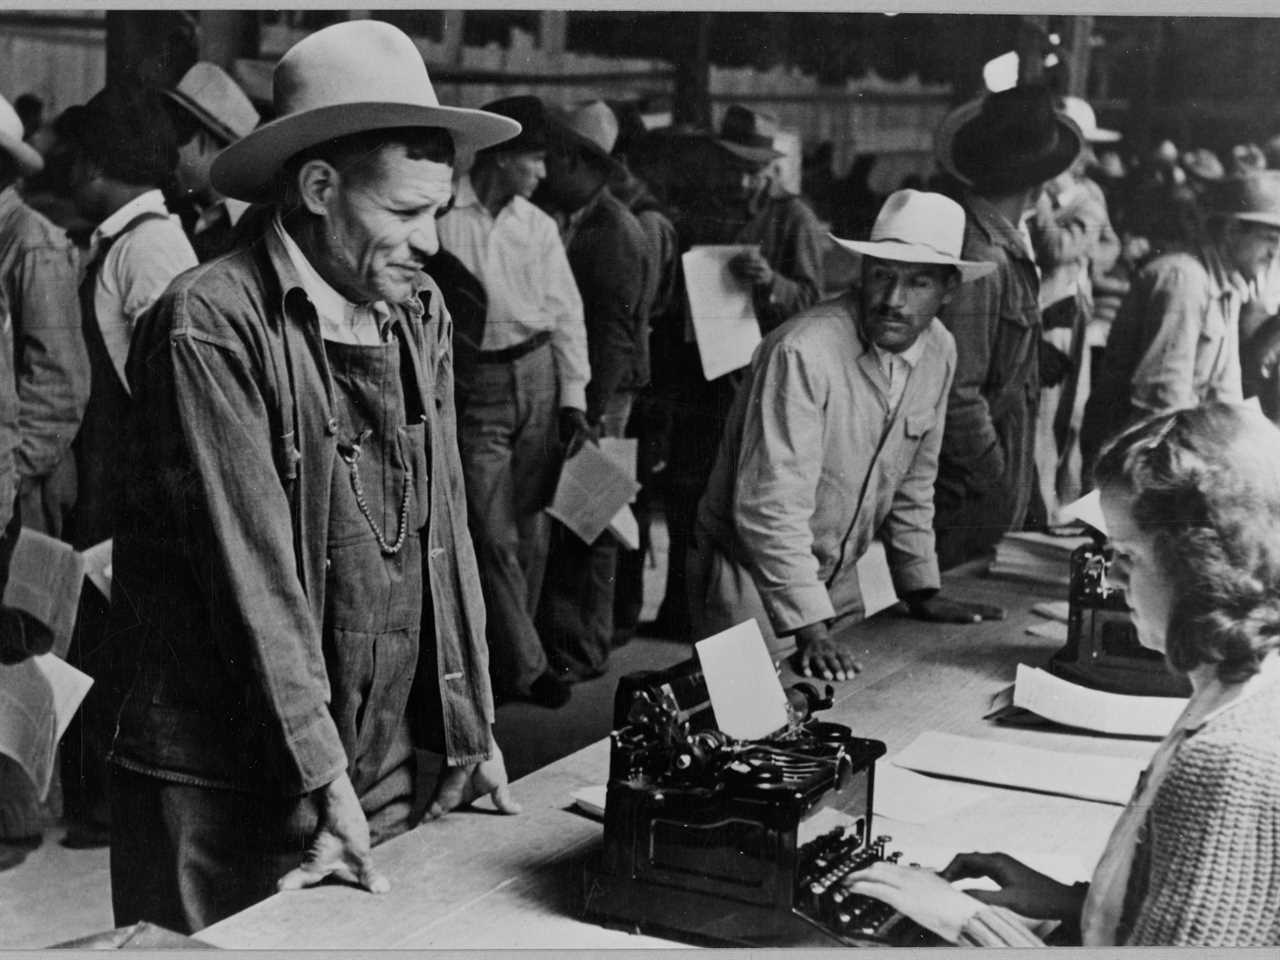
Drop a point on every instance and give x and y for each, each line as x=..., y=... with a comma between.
x=1102, y=649
x=712, y=840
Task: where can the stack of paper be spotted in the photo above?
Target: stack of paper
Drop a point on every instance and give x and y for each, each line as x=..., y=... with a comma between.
x=1083, y=775
x=1039, y=557
x=1075, y=706
x=45, y=578
x=593, y=488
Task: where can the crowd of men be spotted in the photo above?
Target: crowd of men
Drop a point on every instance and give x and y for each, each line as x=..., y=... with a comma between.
x=317, y=384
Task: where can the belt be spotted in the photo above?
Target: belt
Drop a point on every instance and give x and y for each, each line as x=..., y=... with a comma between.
x=508, y=354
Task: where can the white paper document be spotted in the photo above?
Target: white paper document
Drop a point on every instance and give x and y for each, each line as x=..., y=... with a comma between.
x=1083, y=775
x=1088, y=509
x=38, y=698
x=625, y=527
x=914, y=798
x=592, y=489
x=745, y=691
x=1069, y=703
x=724, y=318
x=875, y=582
x=590, y=800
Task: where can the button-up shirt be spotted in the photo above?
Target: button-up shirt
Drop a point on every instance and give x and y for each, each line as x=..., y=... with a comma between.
x=341, y=321
x=519, y=258
x=817, y=459
x=136, y=270
x=896, y=367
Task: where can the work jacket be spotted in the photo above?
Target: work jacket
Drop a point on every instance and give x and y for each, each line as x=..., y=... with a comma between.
x=813, y=466
x=220, y=551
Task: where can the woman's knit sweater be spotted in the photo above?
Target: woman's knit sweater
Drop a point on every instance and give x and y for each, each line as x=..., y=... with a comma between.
x=1207, y=868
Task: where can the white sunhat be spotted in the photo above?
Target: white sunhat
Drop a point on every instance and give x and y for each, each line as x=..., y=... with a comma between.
x=1080, y=111
x=348, y=78
x=914, y=226
x=24, y=155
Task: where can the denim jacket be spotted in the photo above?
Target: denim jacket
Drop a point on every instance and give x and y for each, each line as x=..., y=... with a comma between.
x=220, y=550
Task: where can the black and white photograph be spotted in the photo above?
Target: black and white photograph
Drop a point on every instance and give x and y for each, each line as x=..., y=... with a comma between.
x=618, y=477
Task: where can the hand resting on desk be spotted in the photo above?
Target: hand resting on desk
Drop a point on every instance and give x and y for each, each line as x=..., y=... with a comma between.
x=935, y=608
x=459, y=786
x=340, y=847
x=818, y=654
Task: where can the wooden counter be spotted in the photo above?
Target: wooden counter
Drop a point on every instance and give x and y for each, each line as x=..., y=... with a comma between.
x=480, y=880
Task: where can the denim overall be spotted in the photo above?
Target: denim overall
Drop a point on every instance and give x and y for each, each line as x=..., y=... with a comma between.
x=374, y=595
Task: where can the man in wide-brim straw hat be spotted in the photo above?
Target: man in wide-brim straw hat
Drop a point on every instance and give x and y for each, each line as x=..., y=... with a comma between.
x=1001, y=149
x=1175, y=341
x=832, y=442
x=292, y=565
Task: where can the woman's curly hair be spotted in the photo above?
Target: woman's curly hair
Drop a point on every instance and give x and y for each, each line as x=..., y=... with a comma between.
x=1206, y=484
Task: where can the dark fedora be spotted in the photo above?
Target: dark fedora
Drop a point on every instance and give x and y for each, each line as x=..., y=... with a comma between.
x=1008, y=141
x=748, y=135
x=531, y=113
x=1253, y=197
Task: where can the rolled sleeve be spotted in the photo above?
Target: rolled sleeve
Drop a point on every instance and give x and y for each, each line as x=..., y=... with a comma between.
x=779, y=466
x=270, y=634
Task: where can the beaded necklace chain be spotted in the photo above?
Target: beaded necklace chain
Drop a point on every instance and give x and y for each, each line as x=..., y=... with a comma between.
x=352, y=459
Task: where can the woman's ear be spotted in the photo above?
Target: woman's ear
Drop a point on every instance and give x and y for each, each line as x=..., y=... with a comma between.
x=318, y=184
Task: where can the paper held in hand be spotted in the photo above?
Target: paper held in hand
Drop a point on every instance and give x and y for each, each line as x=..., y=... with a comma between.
x=592, y=489
x=724, y=318
x=38, y=698
x=45, y=578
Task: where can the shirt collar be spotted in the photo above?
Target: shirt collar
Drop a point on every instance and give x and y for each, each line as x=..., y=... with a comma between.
x=9, y=198
x=333, y=309
x=465, y=195
x=150, y=202
x=1225, y=282
x=1210, y=696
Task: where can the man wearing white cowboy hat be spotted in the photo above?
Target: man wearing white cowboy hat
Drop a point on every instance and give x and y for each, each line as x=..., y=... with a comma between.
x=209, y=112
x=1001, y=149
x=292, y=565
x=832, y=441
x=1175, y=341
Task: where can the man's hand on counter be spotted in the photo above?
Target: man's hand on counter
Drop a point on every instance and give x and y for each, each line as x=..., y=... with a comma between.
x=934, y=607
x=340, y=847
x=459, y=786
x=819, y=655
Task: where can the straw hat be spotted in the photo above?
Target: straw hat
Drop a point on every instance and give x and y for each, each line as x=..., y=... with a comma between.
x=24, y=155
x=1254, y=197
x=1084, y=117
x=213, y=98
x=918, y=227
x=348, y=78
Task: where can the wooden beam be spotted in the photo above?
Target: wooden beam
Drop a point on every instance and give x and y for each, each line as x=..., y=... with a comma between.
x=553, y=27
x=455, y=22
x=1032, y=31
x=692, y=100
x=1077, y=34
x=227, y=36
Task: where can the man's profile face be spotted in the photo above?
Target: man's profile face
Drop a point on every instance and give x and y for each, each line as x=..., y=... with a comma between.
x=381, y=227
x=521, y=173
x=899, y=300
x=195, y=157
x=1250, y=248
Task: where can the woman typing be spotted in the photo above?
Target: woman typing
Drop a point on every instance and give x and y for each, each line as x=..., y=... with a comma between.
x=1192, y=502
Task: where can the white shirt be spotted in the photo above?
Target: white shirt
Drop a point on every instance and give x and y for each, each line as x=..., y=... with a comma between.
x=896, y=368
x=341, y=321
x=519, y=258
x=136, y=270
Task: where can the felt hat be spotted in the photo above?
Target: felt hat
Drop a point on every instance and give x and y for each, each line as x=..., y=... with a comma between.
x=1253, y=197
x=1007, y=141
x=1084, y=117
x=212, y=97
x=1246, y=157
x=24, y=155
x=1203, y=164
x=748, y=135
x=531, y=114
x=591, y=126
x=918, y=227
x=352, y=77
